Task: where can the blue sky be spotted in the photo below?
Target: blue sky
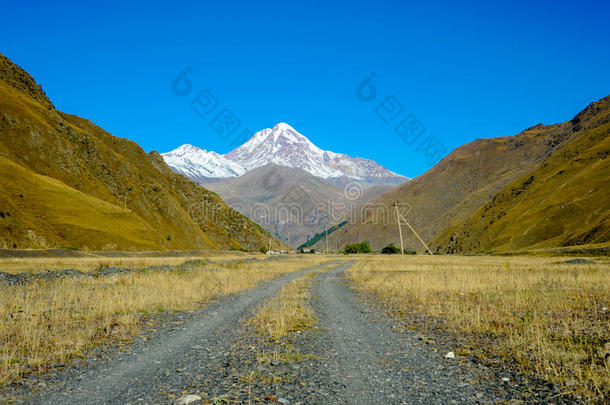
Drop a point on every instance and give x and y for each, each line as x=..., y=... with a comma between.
x=464, y=70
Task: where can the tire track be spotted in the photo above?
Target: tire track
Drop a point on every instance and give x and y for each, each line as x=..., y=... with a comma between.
x=168, y=360
x=371, y=363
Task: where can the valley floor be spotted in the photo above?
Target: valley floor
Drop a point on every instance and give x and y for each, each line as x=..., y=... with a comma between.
x=321, y=334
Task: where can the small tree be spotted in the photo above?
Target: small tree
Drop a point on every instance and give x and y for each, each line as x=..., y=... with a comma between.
x=362, y=247
x=263, y=250
x=390, y=250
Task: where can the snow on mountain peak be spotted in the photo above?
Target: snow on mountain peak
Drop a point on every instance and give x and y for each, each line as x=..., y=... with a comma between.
x=281, y=145
x=199, y=164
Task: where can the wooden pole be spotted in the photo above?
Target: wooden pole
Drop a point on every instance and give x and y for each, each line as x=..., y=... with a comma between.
x=402, y=248
x=413, y=230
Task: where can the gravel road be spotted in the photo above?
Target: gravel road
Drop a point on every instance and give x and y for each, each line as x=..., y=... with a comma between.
x=355, y=355
x=154, y=366
x=374, y=362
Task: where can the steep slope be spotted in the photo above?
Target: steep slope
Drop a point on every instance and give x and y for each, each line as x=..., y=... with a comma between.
x=467, y=178
x=281, y=145
x=565, y=202
x=72, y=215
x=67, y=182
x=290, y=203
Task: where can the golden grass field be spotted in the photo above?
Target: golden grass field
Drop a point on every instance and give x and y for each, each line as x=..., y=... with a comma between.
x=552, y=319
x=44, y=322
x=36, y=264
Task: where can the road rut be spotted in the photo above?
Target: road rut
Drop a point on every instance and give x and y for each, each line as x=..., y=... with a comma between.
x=149, y=369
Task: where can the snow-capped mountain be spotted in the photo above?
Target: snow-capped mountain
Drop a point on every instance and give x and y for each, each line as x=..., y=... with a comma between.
x=281, y=145
x=199, y=164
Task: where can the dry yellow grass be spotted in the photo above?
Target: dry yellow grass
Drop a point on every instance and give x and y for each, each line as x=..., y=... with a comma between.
x=288, y=311
x=551, y=318
x=35, y=264
x=282, y=317
x=52, y=321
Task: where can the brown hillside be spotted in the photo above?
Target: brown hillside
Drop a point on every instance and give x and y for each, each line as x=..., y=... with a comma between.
x=62, y=177
x=467, y=178
x=289, y=203
x=565, y=202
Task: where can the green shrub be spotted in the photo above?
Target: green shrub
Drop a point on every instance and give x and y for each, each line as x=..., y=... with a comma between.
x=390, y=250
x=362, y=247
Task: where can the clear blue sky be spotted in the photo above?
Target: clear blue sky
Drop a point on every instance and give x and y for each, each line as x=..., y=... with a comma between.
x=466, y=70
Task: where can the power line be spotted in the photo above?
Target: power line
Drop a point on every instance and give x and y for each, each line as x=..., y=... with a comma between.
x=398, y=218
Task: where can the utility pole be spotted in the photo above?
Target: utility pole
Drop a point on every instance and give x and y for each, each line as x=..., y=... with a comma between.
x=269, y=250
x=124, y=198
x=398, y=217
x=402, y=248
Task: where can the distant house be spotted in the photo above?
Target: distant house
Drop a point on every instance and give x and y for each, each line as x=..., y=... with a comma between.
x=276, y=252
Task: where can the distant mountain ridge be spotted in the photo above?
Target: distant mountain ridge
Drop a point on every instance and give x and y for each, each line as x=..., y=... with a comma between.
x=281, y=145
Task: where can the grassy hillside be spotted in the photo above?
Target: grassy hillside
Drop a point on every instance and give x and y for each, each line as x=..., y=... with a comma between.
x=62, y=178
x=466, y=179
x=70, y=215
x=565, y=202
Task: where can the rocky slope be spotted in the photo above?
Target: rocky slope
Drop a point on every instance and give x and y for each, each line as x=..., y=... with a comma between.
x=64, y=182
x=472, y=175
x=290, y=203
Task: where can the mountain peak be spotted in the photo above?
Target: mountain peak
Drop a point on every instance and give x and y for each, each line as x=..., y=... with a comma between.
x=281, y=145
x=282, y=126
x=281, y=132
x=186, y=148
x=21, y=80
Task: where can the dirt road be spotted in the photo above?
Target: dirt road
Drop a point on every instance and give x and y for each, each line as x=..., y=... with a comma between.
x=357, y=355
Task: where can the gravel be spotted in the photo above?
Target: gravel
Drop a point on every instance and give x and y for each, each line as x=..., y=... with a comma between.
x=21, y=278
x=26, y=277
x=578, y=261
